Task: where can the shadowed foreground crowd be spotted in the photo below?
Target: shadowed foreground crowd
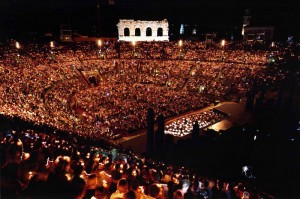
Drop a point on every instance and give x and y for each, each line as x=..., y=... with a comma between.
x=38, y=165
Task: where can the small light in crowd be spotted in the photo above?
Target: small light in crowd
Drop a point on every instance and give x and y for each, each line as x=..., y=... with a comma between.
x=19, y=143
x=273, y=44
x=68, y=177
x=133, y=43
x=99, y=43
x=180, y=43
x=93, y=197
x=223, y=43
x=51, y=44
x=176, y=181
x=18, y=46
x=82, y=164
x=104, y=183
x=201, y=88
x=134, y=173
x=254, y=137
x=26, y=156
x=67, y=158
x=30, y=175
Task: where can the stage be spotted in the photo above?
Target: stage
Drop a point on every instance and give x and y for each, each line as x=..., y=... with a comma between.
x=236, y=112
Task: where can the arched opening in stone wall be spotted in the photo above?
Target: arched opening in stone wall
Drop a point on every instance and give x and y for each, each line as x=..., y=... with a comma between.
x=126, y=32
x=137, y=32
x=159, y=32
x=148, y=32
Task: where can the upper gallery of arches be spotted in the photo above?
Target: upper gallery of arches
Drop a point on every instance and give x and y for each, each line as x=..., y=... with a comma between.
x=137, y=30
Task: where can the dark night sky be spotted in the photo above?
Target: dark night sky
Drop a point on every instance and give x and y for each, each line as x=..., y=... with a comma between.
x=46, y=15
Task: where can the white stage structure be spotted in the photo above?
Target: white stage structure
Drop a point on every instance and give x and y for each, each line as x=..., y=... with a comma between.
x=131, y=30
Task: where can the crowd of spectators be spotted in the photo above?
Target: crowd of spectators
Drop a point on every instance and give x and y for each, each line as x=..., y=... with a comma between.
x=56, y=165
x=50, y=86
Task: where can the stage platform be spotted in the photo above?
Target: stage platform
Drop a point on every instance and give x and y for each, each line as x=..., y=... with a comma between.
x=236, y=112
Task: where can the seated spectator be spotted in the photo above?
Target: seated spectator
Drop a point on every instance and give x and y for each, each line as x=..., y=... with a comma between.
x=91, y=185
x=178, y=195
x=130, y=195
x=101, y=193
x=154, y=191
x=77, y=189
x=58, y=180
x=122, y=188
x=137, y=189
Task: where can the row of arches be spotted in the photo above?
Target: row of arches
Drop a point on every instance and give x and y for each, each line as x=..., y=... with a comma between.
x=148, y=32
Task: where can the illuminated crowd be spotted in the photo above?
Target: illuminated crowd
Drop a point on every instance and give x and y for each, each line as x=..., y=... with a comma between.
x=51, y=86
